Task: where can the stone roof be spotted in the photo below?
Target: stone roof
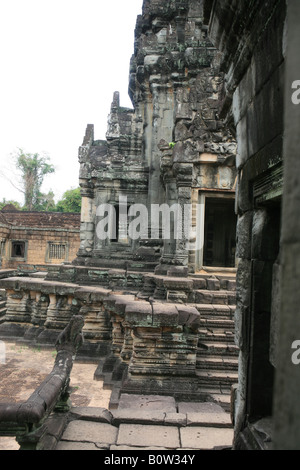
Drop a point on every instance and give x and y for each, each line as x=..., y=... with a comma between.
x=2, y=219
x=41, y=219
x=9, y=207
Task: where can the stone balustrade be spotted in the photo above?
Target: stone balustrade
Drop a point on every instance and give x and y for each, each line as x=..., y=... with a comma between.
x=26, y=420
x=147, y=339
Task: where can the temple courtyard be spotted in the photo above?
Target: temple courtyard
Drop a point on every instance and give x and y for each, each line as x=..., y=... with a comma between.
x=139, y=422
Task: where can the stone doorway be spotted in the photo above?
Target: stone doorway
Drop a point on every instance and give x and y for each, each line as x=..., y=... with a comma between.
x=219, y=233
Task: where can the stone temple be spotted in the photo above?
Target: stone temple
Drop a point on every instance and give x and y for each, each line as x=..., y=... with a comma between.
x=188, y=265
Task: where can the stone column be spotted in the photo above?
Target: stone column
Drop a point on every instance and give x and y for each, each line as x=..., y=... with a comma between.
x=184, y=173
x=199, y=215
x=87, y=227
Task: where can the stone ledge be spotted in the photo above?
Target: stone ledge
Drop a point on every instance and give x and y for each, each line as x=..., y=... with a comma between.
x=99, y=415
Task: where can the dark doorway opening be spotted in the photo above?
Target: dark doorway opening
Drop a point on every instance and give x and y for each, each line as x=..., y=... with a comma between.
x=219, y=233
x=115, y=225
x=18, y=250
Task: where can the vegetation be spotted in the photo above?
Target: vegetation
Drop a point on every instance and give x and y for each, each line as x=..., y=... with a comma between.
x=33, y=168
x=71, y=201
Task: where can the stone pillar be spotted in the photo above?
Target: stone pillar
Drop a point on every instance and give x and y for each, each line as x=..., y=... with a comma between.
x=184, y=173
x=165, y=339
x=17, y=307
x=199, y=223
x=87, y=227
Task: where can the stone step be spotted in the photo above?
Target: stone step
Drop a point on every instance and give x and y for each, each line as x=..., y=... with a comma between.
x=217, y=363
x=216, y=312
x=212, y=377
x=214, y=297
x=222, y=399
x=213, y=323
x=216, y=335
x=206, y=348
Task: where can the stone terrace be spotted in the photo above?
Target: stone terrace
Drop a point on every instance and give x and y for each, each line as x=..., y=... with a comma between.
x=151, y=334
x=142, y=423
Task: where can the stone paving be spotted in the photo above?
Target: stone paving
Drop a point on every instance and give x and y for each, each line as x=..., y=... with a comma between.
x=140, y=422
x=148, y=423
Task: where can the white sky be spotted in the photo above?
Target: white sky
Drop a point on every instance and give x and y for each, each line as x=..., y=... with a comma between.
x=61, y=61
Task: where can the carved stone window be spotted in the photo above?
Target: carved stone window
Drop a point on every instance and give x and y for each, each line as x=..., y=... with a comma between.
x=57, y=251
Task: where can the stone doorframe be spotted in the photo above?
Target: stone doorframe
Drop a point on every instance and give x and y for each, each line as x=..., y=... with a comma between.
x=198, y=221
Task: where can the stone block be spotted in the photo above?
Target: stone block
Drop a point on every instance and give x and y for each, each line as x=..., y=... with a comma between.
x=243, y=235
x=148, y=436
x=205, y=438
x=188, y=316
x=126, y=416
x=100, y=415
x=147, y=403
x=213, y=284
x=218, y=420
x=165, y=315
x=101, y=434
x=199, y=284
x=206, y=407
x=139, y=313
x=65, y=445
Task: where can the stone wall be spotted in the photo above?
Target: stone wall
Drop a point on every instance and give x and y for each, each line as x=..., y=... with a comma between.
x=153, y=325
x=251, y=37
x=46, y=238
x=170, y=148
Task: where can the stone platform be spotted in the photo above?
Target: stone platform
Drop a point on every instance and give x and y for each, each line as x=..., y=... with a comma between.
x=144, y=423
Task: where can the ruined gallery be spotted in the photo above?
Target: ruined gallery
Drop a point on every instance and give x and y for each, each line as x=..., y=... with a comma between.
x=185, y=286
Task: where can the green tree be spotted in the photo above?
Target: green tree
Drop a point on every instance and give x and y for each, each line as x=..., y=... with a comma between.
x=70, y=202
x=33, y=169
x=46, y=202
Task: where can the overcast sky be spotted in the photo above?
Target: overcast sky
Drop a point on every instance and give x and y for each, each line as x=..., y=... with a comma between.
x=61, y=61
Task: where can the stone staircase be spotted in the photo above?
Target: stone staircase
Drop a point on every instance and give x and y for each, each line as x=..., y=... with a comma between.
x=217, y=356
x=154, y=315
x=214, y=296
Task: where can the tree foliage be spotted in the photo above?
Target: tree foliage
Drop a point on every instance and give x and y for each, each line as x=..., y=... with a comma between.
x=70, y=202
x=33, y=169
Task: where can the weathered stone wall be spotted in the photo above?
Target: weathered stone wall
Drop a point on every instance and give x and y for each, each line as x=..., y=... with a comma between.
x=38, y=231
x=176, y=88
x=251, y=37
x=286, y=407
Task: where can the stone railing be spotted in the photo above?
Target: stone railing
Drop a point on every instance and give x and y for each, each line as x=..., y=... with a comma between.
x=138, y=342
x=27, y=420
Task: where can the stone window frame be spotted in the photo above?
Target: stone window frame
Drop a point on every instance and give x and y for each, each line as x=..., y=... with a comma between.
x=49, y=258
x=18, y=258
x=119, y=241
x=201, y=198
x=2, y=247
